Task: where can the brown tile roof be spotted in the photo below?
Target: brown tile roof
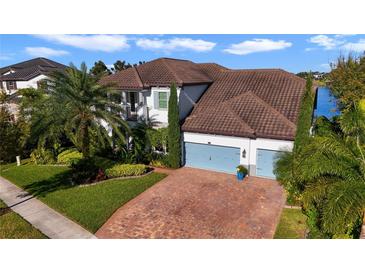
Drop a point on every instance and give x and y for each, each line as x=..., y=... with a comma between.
x=27, y=70
x=249, y=103
x=128, y=79
x=213, y=70
x=160, y=72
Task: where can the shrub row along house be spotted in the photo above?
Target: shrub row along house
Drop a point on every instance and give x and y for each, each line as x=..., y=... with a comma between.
x=228, y=117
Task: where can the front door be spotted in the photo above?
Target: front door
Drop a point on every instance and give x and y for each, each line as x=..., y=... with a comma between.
x=132, y=101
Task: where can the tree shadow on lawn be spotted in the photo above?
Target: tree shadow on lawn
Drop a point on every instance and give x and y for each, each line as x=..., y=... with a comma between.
x=56, y=182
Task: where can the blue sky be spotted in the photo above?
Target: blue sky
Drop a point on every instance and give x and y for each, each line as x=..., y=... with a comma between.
x=294, y=53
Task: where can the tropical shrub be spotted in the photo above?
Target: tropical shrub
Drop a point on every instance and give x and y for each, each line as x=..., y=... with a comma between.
x=158, y=138
x=69, y=156
x=242, y=169
x=85, y=171
x=124, y=170
x=160, y=160
x=42, y=156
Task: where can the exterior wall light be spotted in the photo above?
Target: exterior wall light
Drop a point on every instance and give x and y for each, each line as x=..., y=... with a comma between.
x=244, y=153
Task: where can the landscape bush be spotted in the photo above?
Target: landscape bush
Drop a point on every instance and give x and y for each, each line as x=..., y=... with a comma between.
x=159, y=160
x=85, y=171
x=69, y=156
x=124, y=170
x=42, y=156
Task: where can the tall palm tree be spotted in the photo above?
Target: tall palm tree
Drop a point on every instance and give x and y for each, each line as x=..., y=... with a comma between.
x=332, y=172
x=80, y=107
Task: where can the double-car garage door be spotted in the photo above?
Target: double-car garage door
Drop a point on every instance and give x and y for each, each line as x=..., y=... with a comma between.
x=226, y=159
x=212, y=157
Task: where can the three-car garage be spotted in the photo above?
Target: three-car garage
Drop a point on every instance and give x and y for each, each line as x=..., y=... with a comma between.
x=225, y=153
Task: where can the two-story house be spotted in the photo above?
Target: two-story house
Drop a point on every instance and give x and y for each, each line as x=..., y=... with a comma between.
x=27, y=74
x=229, y=117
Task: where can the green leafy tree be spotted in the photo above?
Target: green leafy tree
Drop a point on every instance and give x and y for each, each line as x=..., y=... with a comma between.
x=79, y=107
x=10, y=133
x=99, y=69
x=174, y=142
x=121, y=65
x=347, y=80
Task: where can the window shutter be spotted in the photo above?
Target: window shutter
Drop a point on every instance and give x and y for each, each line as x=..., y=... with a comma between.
x=15, y=87
x=7, y=85
x=155, y=96
x=1, y=85
x=168, y=98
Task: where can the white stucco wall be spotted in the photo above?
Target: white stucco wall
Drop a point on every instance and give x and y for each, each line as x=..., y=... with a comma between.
x=250, y=145
x=187, y=96
x=159, y=114
x=32, y=83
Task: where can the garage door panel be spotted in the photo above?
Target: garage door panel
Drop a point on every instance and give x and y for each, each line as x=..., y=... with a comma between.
x=212, y=157
x=265, y=162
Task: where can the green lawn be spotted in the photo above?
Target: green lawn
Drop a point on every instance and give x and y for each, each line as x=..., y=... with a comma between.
x=90, y=206
x=292, y=224
x=12, y=226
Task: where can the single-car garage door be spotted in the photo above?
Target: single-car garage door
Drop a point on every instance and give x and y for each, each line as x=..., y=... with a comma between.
x=218, y=158
x=265, y=162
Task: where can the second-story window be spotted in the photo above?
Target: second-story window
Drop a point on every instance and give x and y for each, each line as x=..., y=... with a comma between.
x=162, y=100
x=11, y=85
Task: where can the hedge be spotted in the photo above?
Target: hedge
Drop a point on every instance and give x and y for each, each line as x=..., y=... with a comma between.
x=69, y=156
x=124, y=170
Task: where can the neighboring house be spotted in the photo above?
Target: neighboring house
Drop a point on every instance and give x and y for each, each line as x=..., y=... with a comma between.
x=27, y=74
x=229, y=117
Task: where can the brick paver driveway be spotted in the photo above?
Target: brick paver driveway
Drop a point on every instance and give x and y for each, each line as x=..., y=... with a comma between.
x=194, y=203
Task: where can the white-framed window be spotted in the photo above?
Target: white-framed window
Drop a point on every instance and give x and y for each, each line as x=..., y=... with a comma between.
x=163, y=100
x=11, y=85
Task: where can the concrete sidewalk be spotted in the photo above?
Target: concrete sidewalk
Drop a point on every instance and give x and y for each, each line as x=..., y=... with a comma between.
x=51, y=223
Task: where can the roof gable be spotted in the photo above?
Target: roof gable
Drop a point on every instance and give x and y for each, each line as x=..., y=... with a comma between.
x=268, y=101
x=29, y=69
x=128, y=79
x=160, y=72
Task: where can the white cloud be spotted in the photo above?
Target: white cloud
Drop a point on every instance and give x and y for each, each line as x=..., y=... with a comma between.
x=175, y=44
x=44, y=52
x=325, y=41
x=358, y=46
x=309, y=49
x=343, y=35
x=5, y=57
x=257, y=45
x=325, y=66
x=99, y=42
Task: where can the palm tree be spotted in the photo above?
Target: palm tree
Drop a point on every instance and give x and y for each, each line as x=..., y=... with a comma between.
x=80, y=107
x=332, y=172
x=326, y=172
